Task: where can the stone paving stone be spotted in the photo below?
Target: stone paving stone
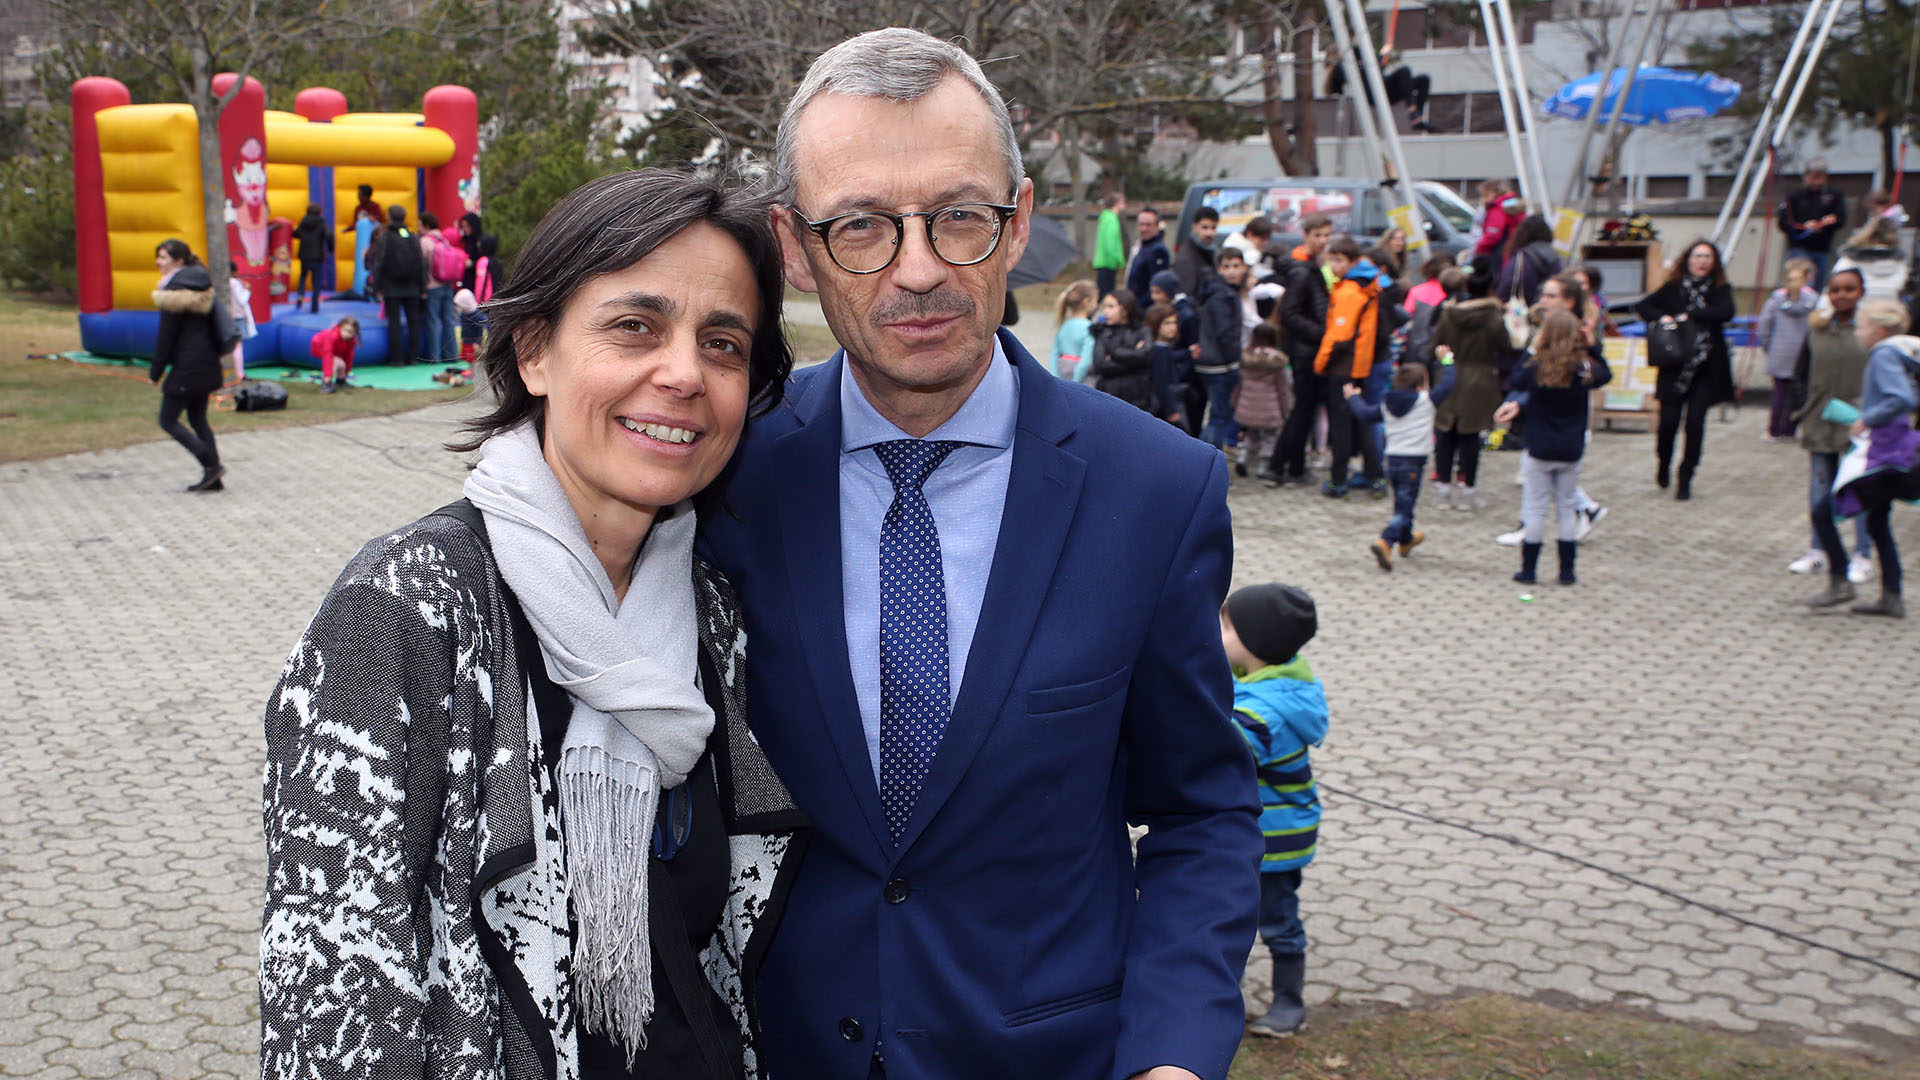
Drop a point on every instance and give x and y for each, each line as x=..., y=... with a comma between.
x=1677, y=717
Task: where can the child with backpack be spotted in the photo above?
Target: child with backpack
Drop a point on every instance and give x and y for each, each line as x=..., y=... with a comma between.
x=446, y=260
x=334, y=347
x=1555, y=388
x=1407, y=410
x=400, y=277
x=1282, y=710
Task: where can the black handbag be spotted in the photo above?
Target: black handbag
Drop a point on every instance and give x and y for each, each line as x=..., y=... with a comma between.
x=259, y=395
x=1669, y=344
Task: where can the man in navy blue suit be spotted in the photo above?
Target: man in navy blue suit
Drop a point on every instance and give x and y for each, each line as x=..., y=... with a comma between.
x=982, y=607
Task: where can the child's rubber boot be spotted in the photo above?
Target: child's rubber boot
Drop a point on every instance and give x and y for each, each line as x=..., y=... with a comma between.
x=1529, y=564
x=1289, y=1012
x=1569, y=549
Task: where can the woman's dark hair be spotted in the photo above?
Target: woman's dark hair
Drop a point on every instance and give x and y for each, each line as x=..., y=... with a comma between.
x=472, y=221
x=1678, y=272
x=1593, y=276
x=1128, y=303
x=178, y=251
x=1532, y=230
x=607, y=225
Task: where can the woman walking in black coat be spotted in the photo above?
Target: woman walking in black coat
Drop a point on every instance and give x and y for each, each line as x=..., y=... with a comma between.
x=195, y=333
x=1696, y=293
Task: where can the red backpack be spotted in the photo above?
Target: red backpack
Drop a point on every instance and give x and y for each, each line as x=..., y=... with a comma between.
x=449, y=260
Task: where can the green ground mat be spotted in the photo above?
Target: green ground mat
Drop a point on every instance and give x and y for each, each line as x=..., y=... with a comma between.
x=375, y=376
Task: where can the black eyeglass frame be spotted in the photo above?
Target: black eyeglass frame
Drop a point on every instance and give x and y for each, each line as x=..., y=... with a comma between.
x=1003, y=212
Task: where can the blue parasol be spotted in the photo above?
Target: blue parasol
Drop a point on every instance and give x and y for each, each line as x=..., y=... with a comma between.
x=1659, y=96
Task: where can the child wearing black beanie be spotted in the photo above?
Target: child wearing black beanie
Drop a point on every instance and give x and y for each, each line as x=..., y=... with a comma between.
x=1282, y=710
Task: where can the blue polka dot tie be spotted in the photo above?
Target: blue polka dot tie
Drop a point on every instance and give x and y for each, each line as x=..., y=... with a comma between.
x=915, y=691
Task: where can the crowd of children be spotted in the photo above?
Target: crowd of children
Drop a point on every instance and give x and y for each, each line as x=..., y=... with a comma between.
x=1272, y=351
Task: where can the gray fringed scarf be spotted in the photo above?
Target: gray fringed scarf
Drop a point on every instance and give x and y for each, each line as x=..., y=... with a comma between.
x=639, y=723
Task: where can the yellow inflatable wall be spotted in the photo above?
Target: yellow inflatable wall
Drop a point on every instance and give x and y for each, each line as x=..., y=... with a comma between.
x=391, y=184
x=150, y=167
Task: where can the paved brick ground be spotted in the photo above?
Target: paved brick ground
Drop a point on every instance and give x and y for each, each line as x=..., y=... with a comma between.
x=1674, y=718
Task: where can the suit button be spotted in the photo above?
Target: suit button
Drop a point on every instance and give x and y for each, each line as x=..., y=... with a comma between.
x=897, y=891
x=850, y=1029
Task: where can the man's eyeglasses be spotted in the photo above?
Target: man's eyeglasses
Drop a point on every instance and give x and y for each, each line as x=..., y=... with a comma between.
x=866, y=241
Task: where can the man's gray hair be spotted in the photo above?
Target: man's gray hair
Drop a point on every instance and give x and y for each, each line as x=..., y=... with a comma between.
x=899, y=64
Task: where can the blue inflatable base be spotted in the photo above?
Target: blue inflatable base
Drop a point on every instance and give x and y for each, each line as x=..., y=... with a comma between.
x=286, y=339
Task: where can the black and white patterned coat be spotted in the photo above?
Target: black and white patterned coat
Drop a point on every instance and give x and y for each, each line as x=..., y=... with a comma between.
x=416, y=917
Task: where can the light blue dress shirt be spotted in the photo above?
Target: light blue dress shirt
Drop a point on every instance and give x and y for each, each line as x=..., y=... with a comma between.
x=966, y=494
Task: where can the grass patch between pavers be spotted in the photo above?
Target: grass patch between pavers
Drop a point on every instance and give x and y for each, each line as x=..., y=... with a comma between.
x=1496, y=1036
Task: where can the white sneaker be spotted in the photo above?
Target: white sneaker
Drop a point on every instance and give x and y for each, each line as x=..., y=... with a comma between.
x=1442, y=494
x=1511, y=539
x=1859, y=570
x=1812, y=562
x=1466, y=498
x=1582, y=525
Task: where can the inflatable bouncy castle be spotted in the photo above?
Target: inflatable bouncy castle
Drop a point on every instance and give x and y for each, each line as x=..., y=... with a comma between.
x=137, y=181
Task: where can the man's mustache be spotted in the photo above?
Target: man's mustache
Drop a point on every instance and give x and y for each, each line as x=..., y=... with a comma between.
x=939, y=304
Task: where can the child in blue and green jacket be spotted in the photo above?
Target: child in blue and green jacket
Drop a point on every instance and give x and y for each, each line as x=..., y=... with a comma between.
x=1282, y=710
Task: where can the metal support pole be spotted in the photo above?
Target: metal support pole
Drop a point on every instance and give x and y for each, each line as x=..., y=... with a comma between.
x=1780, y=132
x=1787, y=69
x=1626, y=89
x=1525, y=100
x=1491, y=23
x=1344, y=42
x=1389, y=125
x=1576, y=180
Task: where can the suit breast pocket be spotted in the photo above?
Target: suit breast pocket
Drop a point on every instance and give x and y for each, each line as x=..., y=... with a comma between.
x=1060, y=699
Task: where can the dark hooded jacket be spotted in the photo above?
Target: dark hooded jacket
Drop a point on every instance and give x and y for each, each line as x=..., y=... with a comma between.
x=1477, y=334
x=314, y=238
x=1191, y=263
x=194, y=333
x=479, y=245
x=1303, y=307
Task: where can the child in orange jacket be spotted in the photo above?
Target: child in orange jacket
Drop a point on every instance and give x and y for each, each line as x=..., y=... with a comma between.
x=1345, y=358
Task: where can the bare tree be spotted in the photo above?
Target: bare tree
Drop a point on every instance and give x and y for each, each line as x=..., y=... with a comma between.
x=1082, y=71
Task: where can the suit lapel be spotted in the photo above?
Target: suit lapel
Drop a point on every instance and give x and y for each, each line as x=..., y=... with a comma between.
x=1042, y=495
x=810, y=524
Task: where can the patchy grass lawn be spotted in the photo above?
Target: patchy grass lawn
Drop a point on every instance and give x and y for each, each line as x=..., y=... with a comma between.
x=1491, y=1037
x=54, y=406
x=810, y=344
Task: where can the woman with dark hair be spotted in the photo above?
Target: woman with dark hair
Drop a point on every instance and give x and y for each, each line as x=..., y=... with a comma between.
x=194, y=334
x=1530, y=260
x=516, y=824
x=1696, y=293
x=483, y=272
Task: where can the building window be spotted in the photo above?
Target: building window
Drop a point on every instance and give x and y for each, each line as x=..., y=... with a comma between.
x=1667, y=187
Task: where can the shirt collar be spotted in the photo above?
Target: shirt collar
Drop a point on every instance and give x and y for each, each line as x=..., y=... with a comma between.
x=987, y=418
